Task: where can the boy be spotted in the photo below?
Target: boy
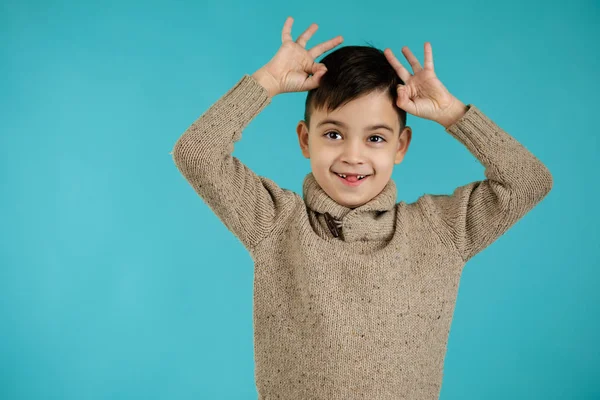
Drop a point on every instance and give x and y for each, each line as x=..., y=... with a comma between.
x=353, y=292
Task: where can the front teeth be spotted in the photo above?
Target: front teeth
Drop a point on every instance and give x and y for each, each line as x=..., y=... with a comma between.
x=344, y=176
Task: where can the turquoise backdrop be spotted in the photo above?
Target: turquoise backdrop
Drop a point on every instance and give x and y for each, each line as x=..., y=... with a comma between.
x=118, y=282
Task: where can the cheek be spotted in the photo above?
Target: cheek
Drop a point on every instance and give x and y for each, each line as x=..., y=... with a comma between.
x=319, y=162
x=322, y=154
x=384, y=163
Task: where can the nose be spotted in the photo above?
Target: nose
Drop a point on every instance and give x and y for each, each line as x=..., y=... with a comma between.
x=352, y=152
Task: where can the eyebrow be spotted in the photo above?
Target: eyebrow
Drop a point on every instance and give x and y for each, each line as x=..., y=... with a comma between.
x=339, y=123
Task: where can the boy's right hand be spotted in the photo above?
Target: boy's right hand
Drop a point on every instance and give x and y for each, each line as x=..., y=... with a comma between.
x=289, y=69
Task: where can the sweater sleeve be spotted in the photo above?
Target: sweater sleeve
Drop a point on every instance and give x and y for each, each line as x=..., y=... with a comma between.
x=478, y=213
x=246, y=203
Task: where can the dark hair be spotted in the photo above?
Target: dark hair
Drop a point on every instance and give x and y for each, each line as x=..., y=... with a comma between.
x=354, y=71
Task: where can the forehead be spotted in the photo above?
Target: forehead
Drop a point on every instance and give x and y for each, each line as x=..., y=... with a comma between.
x=371, y=109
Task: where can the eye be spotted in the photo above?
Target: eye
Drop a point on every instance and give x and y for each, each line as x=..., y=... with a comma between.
x=374, y=136
x=327, y=134
x=377, y=136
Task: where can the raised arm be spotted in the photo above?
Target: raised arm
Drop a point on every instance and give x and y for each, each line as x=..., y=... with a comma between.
x=478, y=213
x=248, y=204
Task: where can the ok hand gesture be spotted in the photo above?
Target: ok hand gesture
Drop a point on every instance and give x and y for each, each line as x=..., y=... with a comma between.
x=422, y=94
x=290, y=69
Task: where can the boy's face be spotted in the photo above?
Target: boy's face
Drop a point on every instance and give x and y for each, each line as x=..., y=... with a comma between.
x=352, y=146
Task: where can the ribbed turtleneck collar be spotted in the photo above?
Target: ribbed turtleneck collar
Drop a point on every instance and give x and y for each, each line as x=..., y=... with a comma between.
x=371, y=221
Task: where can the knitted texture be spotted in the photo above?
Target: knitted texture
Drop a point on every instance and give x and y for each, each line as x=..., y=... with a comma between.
x=366, y=314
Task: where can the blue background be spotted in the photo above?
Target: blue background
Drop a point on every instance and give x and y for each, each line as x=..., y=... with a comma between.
x=118, y=282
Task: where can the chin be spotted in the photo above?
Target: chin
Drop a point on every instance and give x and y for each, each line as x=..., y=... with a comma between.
x=353, y=206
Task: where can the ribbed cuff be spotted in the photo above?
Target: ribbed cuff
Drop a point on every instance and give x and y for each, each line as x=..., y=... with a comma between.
x=245, y=100
x=478, y=132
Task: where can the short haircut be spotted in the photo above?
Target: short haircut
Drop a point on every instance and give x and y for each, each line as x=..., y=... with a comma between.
x=354, y=71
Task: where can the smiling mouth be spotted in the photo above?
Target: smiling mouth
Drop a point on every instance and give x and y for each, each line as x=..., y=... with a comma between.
x=352, y=177
x=352, y=180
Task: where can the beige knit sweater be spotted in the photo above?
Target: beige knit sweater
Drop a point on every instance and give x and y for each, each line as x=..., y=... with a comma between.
x=366, y=313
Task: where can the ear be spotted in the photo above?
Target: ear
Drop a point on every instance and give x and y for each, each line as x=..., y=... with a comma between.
x=302, y=131
x=403, y=143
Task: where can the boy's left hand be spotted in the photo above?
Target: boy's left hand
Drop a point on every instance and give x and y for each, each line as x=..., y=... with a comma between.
x=422, y=94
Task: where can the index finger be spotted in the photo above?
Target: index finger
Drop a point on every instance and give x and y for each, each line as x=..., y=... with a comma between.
x=325, y=46
x=398, y=67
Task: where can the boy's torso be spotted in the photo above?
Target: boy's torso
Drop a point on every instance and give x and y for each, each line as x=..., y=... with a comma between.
x=361, y=319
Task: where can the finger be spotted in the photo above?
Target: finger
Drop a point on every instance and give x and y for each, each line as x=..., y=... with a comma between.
x=428, y=63
x=404, y=101
x=325, y=46
x=286, y=33
x=317, y=67
x=302, y=39
x=313, y=81
x=398, y=67
x=412, y=60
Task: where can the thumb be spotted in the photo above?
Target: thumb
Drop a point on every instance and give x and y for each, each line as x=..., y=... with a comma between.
x=318, y=70
x=317, y=67
x=403, y=96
